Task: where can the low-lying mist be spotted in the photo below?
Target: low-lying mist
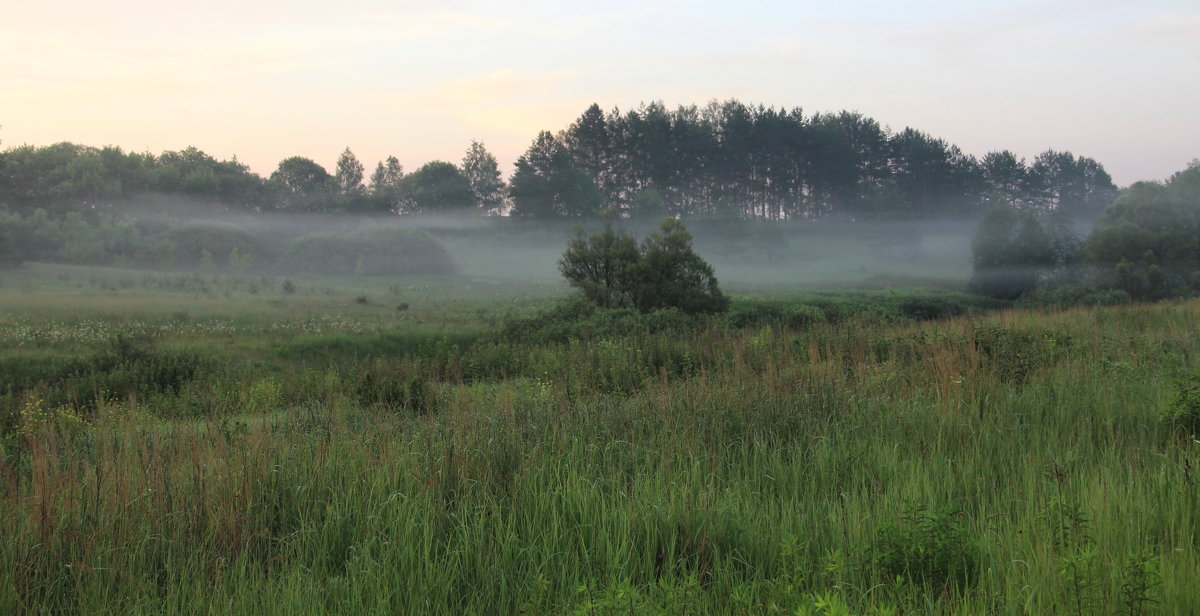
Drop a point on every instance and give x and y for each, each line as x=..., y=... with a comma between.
x=169, y=233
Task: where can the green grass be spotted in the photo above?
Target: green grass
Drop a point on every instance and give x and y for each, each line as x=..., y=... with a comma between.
x=1004, y=462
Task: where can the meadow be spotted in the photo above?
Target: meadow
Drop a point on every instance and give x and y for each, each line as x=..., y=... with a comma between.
x=183, y=443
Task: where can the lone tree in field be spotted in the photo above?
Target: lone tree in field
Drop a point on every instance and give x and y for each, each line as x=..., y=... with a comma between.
x=664, y=272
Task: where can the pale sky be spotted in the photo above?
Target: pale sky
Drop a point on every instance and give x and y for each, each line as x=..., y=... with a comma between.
x=1118, y=81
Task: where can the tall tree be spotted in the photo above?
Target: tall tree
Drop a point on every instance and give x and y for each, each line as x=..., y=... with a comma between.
x=483, y=174
x=1006, y=178
x=385, y=186
x=934, y=178
x=1076, y=187
x=387, y=175
x=349, y=174
x=546, y=183
x=590, y=144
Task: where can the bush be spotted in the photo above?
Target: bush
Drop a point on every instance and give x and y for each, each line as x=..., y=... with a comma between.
x=925, y=308
x=1073, y=295
x=128, y=368
x=1014, y=250
x=1147, y=243
x=217, y=243
x=664, y=272
x=777, y=313
x=576, y=318
x=382, y=251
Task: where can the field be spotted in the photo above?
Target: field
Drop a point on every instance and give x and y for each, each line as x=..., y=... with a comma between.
x=182, y=443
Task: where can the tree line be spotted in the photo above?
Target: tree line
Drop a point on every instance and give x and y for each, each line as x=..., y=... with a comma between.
x=723, y=160
x=68, y=177
x=1145, y=246
x=730, y=159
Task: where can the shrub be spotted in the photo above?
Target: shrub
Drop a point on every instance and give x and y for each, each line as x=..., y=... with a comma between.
x=791, y=316
x=1073, y=295
x=1184, y=411
x=664, y=272
x=924, y=308
x=1014, y=250
x=382, y=251
x=575, y=318
x=215, y=242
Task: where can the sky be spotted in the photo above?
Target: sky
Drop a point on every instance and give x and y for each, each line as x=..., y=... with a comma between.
x=1117, y=81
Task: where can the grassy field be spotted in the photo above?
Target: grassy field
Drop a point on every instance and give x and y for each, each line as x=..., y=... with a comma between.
x=201, y=443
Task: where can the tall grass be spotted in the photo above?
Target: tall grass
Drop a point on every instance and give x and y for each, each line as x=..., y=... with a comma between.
x=1009, y=463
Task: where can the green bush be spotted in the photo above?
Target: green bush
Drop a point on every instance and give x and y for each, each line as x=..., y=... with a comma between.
x=218, y=244
x=128, y=368
x=664, y=272
x=777, y=313
x=1073, y=295
x=576, y=318
x=380, y=251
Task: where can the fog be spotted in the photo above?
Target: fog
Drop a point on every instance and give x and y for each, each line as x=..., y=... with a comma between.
x=747, y=255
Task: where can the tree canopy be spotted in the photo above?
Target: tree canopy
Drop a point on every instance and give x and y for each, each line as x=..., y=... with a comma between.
x=437, y=187
x=1148, y=240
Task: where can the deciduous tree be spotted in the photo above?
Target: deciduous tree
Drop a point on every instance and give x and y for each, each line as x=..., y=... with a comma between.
x=483, y=174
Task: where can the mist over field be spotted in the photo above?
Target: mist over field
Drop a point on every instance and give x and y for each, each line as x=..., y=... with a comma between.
x=727, y=359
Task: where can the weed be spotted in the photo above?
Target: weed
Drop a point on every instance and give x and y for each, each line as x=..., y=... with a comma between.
x=933, y=548
x=1140, y=578
x=1183, y=413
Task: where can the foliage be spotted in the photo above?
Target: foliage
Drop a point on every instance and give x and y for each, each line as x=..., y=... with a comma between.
x=9, y=234
x=349, y=176
x=1015, y=251
x=774, y=312
x=724, y=158
x=664, y=272
x=576, y=318
x=671, y=275
x=604, y=266
x=304, y=185
x=1067, y=296
x=372, y=251
x=931, y=548
x=482, y=171
x=223, y=242
x=436, y=187
x=699, y=469
x=767, y=163
x=1147, y=243
x=385, y=186
x=1184, y=410
x=547, y=184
